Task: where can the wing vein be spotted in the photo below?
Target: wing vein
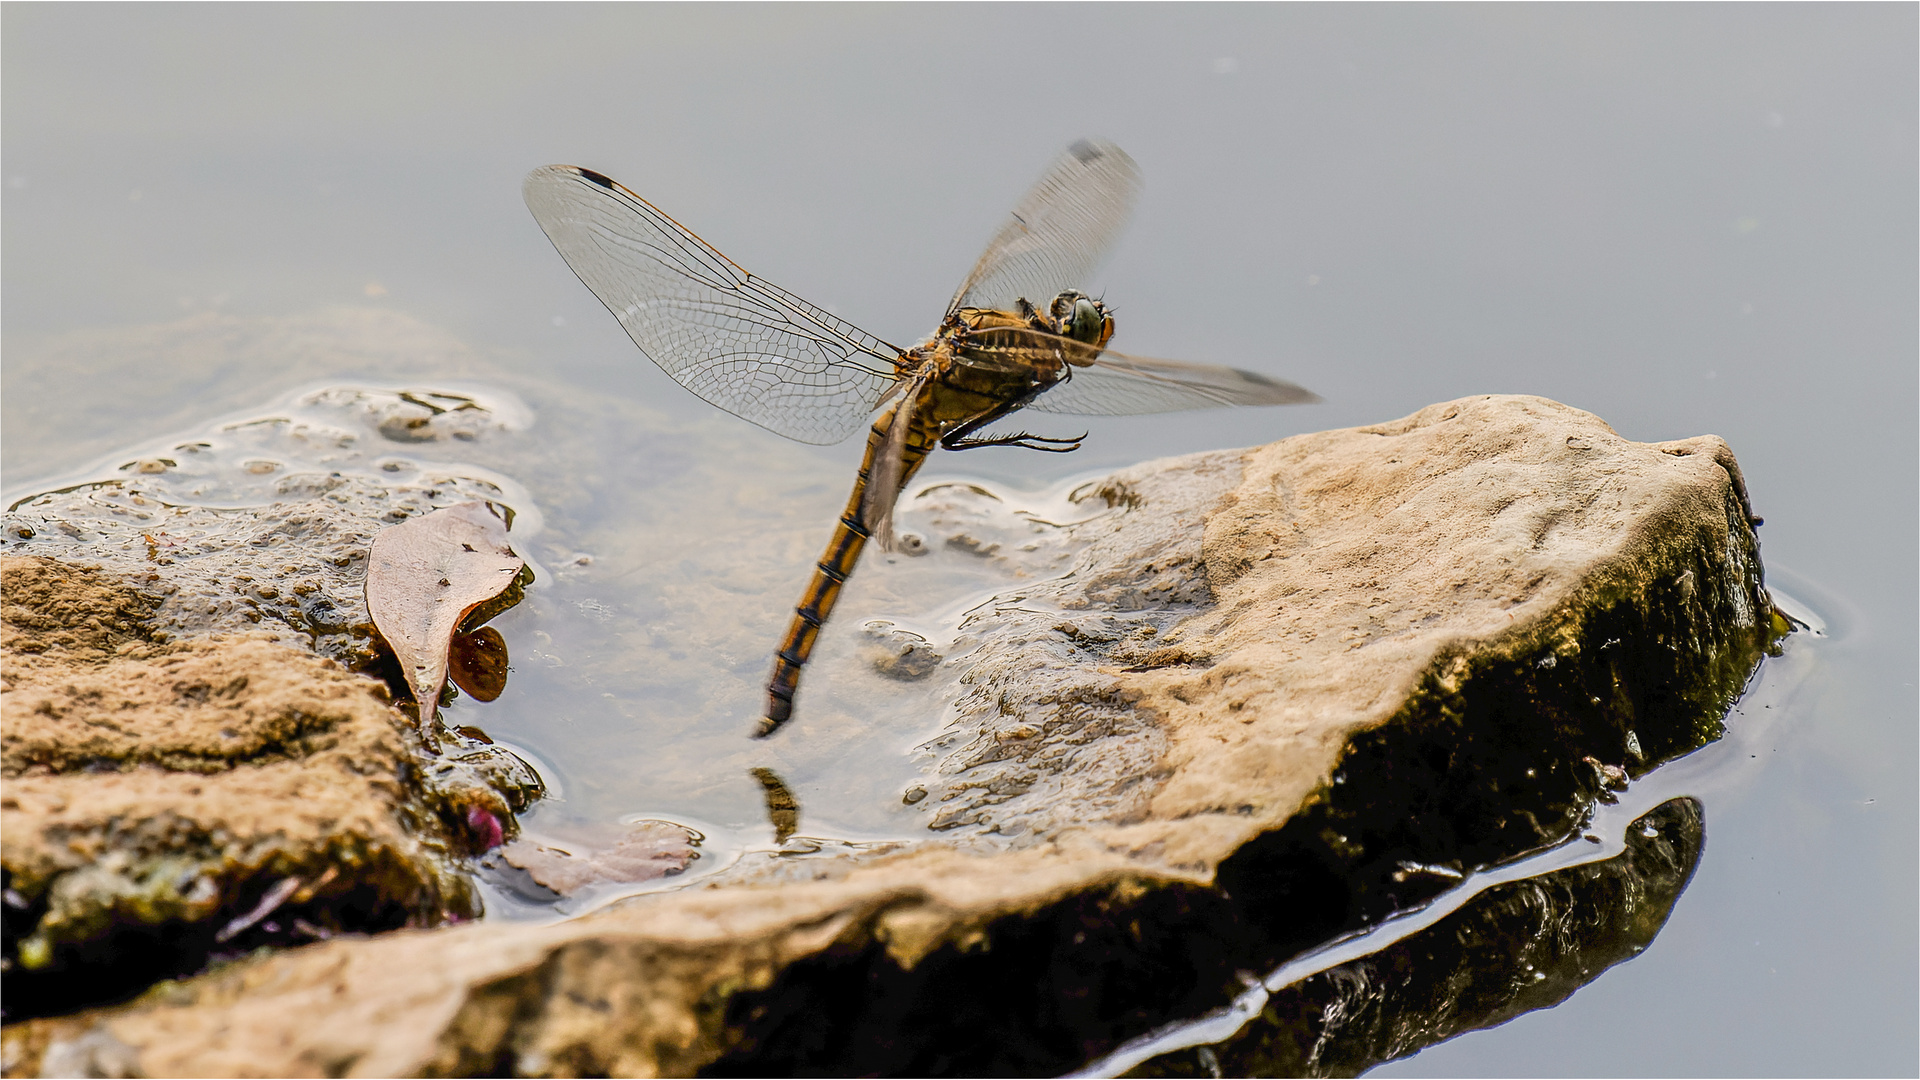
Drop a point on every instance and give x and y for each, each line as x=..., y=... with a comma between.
x=742, y=343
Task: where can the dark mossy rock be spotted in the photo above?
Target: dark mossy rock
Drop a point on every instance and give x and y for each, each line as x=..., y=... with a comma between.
x=167, y=804
x=1512, y=948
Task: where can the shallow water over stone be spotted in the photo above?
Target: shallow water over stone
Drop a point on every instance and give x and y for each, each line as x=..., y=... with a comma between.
x=263, y=522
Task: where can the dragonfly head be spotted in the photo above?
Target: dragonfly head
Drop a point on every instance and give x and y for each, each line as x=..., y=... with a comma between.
x=1082, y=318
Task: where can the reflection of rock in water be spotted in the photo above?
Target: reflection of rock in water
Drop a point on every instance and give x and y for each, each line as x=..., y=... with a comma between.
x=1517, y=947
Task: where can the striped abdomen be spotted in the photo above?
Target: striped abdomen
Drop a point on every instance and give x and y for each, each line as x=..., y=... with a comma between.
x=830, y=573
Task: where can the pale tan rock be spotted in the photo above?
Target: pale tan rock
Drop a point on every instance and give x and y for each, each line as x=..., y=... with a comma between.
x=1324, y=654
x=1334, y=575
x=1350, y=566
x=74, y=610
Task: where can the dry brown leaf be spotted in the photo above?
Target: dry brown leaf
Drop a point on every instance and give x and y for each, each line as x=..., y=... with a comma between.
x=423, y=576
x=648, y=850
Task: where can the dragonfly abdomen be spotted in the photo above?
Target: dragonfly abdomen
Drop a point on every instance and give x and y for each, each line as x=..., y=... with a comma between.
x=836, y=564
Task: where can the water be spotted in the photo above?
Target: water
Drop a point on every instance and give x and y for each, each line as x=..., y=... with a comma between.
x=1684, y=220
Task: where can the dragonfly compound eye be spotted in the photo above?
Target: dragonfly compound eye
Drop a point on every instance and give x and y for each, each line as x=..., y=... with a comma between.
x=1088, y=322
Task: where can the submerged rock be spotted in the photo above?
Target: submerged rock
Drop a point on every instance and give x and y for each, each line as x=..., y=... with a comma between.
x=1262, y=698
x=264, y=523
x=568, y=865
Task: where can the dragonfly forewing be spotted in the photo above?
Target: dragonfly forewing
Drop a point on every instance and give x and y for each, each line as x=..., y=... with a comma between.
x=738, y=341
x=1019, y=333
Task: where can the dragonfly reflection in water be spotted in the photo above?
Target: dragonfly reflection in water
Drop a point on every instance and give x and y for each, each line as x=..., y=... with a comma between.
x=1018, y=334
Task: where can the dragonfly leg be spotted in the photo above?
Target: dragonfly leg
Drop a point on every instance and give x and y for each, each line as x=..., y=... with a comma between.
x=1029, y=442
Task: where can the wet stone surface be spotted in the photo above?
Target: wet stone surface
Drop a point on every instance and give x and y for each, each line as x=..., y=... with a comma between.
x=899, y=654
x=1040, y=735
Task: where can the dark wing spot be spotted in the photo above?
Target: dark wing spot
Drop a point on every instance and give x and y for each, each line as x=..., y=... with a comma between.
x=1084, y=151
x=599, y=178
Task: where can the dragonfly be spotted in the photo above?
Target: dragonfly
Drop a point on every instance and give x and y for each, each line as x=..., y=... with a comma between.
x=1019, y=334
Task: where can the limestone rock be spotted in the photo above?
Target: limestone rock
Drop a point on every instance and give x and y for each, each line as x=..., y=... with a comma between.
x=75, y=610
x=163, y=785
x=1215, y=730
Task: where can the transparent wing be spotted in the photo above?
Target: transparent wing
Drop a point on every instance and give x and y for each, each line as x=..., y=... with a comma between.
x=750, y=347
x=883, y=477
x=1059, y=232
x=1116, y=384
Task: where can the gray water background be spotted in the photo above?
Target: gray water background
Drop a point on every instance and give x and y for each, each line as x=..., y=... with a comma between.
x=1683, y=219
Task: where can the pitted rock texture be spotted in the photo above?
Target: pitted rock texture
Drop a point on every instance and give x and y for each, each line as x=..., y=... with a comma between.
x=1043, y=736
x=1237, y=617
x=1247, y=696
x=155, y=792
